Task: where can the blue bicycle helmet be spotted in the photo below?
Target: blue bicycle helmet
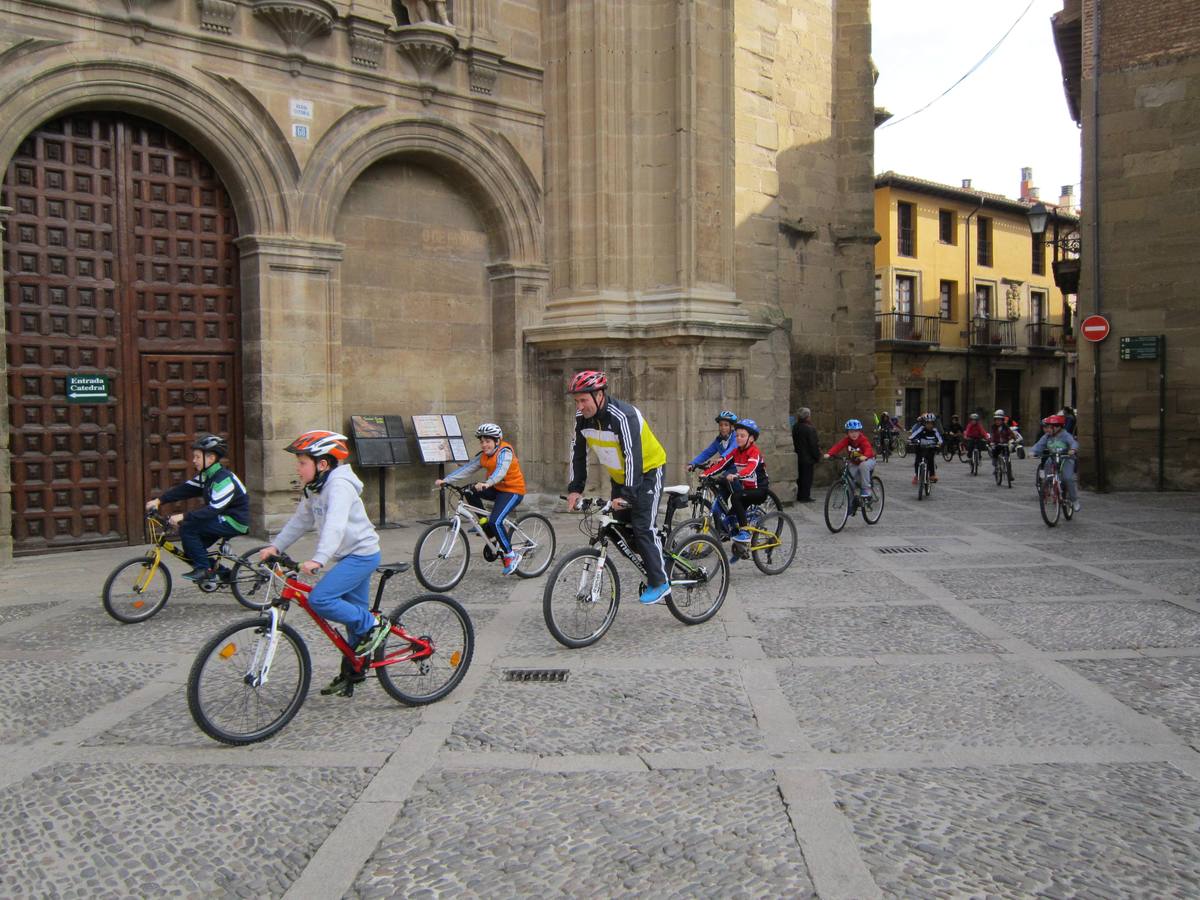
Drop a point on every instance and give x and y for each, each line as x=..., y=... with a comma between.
x=726, y=415
x=853, y=425
x=749, y=424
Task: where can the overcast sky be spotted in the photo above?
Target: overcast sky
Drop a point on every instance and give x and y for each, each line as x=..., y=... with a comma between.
x=1011, y=112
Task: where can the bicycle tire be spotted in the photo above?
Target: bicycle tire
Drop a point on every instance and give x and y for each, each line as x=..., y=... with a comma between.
x=217, y=684
x=691, y=600
x=771, y=503
x=975, y=460
x=246, y=583
x=139, y=605
x=872, y=513
x=424, y=681
x=775, y=558
x=1048, y=502
x=538, y=530
x=837, y=506
x=686, y=528
x=962, y=452
x=947, y=453
x=922, y=482
x=998, y=472
x=1068, y=510
x=429, y=564
x=569, y=611
x=1008, y=471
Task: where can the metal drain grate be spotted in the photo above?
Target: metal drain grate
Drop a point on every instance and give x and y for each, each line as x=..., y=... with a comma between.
x=902, y=549
x=537, y=675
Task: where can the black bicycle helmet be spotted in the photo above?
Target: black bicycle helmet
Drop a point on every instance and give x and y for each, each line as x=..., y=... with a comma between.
x=211, y=443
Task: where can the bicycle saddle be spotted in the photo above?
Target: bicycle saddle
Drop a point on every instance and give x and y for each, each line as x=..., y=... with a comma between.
x=390, y=569
x=680, y=489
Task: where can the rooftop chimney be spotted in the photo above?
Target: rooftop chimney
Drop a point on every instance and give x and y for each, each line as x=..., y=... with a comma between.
x=967, y=183
x=1027, y=188
x=1067, y=199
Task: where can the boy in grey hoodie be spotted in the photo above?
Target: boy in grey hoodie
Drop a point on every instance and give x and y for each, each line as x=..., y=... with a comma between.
x=346, y=541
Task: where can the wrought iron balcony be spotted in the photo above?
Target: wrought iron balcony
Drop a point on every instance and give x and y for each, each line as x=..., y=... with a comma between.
x=903, y=328
x=1044, y=336
x=993, y=334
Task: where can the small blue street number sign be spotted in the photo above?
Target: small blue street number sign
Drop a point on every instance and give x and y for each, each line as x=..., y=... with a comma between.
x=88, y=388
x=1143, y=347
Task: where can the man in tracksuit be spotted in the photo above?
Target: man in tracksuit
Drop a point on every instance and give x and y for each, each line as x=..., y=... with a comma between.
x=634, y=458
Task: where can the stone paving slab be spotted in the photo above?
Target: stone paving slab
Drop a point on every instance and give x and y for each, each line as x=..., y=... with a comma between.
x=636, y=631
x=1165, y=688
x=1083, y=625
x=864, y=631
x=153, y=830
x=669, y=834
x=182, y=627
x=1181, y=581
x=10, y=614
x=1010, y=582
x=1057, y=831
x=640, y=711
x=937, y=706
x=1132, y=551
x=40, y=699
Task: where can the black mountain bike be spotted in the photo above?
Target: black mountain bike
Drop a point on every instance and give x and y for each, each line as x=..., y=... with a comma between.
x=1002, y=464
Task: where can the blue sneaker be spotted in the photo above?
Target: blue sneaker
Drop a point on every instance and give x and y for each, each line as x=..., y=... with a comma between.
x=655, y=594
x=742, y=537
x=511, y=561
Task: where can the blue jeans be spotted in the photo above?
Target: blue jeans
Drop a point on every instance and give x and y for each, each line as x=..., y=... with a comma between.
x=502, y=504
x=197, y=537
x=344, y=594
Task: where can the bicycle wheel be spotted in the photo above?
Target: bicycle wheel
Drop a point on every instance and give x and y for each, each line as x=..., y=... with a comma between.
x=1068, y=510
x=580, y=601
x=1048, y=501
x=975, y=461
x=873, y=510
x=1008, y=471
x=773, y=552
x=947, y=453
x=922, y=482
x=837, y=506
x=962, y=452
x=248, y=586
x=227, y=695
x=771, y=503
x=445, y=623
x=441, y=557
x=687, y=528
x=699, y=574
x=533, y=537
x=901, y=448
x=137, y=589
x=998, y=471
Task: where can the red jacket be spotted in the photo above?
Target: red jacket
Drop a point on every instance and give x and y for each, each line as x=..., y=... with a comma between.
x=975, y=431
x=861, y=447
x=748, y=464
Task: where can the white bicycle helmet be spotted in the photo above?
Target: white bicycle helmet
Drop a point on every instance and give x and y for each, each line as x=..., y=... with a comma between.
x=489, y=430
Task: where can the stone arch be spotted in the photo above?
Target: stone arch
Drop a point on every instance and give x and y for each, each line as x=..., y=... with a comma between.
x=255, y=172
x=491, y=173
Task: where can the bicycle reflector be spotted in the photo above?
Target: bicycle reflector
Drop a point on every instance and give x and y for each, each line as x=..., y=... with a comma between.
x=455, y=659
x=228, y=650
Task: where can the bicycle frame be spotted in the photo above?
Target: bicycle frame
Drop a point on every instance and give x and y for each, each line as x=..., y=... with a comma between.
x=611, y=530
x=465, y=512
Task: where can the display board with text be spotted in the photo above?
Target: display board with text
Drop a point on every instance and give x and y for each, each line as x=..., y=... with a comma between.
x=440, y=439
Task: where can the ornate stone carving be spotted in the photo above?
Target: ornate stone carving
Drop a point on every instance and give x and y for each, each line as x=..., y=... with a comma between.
x=429, y=48
x=366, y=41
x=216, y=15
x=138, y=18
x=427, y=11
x=483, y=68
x=298, y=22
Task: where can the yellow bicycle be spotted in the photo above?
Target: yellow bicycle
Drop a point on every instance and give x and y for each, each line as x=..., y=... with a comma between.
x=772, y=543
x=139, y=587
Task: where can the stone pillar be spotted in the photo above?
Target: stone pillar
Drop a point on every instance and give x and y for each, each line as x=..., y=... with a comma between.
x=291, y=361
x=518, y=297
x=5, y=431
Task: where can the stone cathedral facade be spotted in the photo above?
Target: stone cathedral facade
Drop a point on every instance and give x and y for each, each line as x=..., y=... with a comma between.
x=256, y=217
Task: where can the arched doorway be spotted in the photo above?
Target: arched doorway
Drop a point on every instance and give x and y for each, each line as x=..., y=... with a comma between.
x=119, y=262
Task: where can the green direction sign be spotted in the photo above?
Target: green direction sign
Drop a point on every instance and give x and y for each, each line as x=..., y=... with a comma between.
x=88, y=388
x=1142, y=347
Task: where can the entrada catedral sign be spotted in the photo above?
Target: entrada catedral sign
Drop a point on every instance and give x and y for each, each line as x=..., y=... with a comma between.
x=1141, y=347
x=88, y=388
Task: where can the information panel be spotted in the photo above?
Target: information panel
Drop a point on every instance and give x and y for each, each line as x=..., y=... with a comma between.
x=439, y=439
x=1140, y=347
x=380, y=440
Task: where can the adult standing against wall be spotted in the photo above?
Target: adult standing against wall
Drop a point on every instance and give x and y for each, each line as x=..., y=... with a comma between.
x=808, y=452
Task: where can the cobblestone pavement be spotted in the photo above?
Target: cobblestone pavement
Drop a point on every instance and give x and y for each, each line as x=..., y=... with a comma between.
x=991, y=709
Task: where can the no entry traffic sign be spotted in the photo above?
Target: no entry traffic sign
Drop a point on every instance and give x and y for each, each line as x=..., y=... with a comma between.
x=1094, y=328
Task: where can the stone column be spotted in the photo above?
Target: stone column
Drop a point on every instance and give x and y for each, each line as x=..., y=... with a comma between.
x=5, y=431
x=518, y=297
x=291, y=360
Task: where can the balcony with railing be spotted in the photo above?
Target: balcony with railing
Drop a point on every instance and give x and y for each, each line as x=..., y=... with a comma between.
x=907, y=329
x=993, y=334
x=1044, y=336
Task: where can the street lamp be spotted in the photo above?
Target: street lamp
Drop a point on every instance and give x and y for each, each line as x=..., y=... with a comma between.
x=1037, y=215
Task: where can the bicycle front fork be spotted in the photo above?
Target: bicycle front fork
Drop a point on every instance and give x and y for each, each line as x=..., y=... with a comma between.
x=589, y=583
x=264, y=652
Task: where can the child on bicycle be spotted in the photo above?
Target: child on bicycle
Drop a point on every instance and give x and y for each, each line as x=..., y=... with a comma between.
x=927, y=438
x=1004, y=431
x=504, y=485
x=975, y=434
x=746, y=480
x=723, y=444
x=346, y=542
x=225, y=514
x=861, y=453
x=1057, y=439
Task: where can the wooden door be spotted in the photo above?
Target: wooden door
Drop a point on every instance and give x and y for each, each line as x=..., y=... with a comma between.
x=120, y=245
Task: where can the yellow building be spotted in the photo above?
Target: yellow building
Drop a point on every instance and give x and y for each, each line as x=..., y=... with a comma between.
x=967, y=314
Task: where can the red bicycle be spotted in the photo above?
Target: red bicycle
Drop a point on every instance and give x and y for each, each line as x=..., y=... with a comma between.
x=253, y=676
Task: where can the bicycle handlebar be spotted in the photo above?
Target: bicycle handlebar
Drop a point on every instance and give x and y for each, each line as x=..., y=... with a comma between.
x=583, y=504
x=283, y=561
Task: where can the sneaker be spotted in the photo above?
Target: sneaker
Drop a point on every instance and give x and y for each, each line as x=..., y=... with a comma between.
x=655, y=594
x=511, y=561
x=199, y=574
x=374, y=637
x=742, y=537
x=933, y=478
x=867, y=499
x=914, y=479
x=1076, y=506
x=343, y=685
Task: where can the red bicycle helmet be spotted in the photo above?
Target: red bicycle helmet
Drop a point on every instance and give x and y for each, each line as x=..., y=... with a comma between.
x=320, y=443
x=587, y=381
x=1060, y=421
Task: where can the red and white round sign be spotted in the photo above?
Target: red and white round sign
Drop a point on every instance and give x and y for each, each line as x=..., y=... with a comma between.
x=1094, y=328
